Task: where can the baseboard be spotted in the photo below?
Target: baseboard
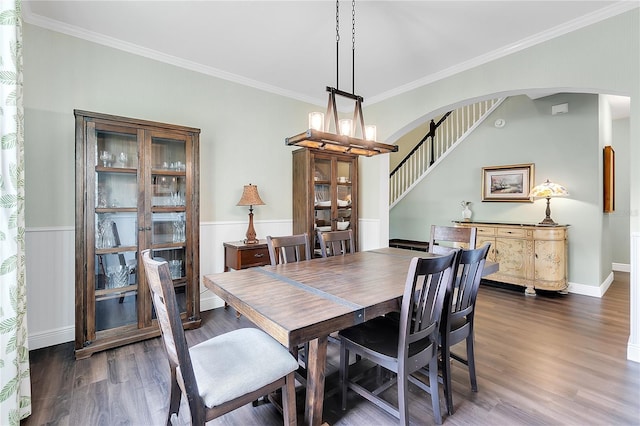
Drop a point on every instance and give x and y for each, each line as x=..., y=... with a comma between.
x=621, y=267
x=209, y=302
x=51, y=337
x=590, y=290
x=633, y=352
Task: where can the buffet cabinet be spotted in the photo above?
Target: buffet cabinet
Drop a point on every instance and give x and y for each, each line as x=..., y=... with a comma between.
x=136, y=188
x=325, y=193
x=532, y=256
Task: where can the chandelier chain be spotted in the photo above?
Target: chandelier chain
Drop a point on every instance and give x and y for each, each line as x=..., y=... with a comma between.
x=337, y=44
x=353, y=46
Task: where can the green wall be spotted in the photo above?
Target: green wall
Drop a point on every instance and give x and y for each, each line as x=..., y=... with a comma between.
x=563, y=148
x=243, y=129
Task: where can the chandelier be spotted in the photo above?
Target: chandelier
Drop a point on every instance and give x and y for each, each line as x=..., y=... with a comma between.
x=349, y=135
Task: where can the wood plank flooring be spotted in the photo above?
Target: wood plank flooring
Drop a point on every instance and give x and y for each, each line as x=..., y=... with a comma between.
x=546, y=360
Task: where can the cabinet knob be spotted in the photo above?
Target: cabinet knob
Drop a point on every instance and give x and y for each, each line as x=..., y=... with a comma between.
x=258, y=255
x=148, y=228
x=141, y=228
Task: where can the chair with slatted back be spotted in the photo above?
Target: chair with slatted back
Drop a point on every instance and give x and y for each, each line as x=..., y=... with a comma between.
x=224, y=372
x=444, y=238
x=334, y=243
x=288, y=249
x=405, y=346
x=459, y=314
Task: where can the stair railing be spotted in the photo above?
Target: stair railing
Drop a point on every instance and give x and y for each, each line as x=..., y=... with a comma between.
x=444, y=135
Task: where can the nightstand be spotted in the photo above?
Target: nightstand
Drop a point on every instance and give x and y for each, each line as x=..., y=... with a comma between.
x=238, y=255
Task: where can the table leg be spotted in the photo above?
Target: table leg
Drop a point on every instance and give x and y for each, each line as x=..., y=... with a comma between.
x=316, y=362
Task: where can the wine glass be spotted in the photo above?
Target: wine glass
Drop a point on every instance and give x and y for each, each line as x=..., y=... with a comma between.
x=105, y=156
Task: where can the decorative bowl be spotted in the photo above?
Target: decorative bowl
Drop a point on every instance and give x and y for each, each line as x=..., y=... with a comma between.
x=342, y=225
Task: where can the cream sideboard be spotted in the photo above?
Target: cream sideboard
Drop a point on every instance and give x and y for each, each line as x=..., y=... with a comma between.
x=533, y=256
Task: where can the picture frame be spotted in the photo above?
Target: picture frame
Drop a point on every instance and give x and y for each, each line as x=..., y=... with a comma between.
x=511, y=183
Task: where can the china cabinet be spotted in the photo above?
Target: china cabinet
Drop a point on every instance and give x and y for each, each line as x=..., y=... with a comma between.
x=325, y=193
x=136, y=188
x=532, y=256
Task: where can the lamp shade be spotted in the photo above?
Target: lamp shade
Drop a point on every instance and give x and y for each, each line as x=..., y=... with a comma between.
x=250, y=197
x=548, y=189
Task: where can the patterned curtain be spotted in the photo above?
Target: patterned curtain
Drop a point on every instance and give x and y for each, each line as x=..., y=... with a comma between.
x=15, y=386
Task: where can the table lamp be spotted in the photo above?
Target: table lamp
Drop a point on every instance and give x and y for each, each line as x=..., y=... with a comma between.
x=250, y=198
x=547, y=190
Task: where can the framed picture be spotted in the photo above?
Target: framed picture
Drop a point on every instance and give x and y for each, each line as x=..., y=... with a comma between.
x=507, y=183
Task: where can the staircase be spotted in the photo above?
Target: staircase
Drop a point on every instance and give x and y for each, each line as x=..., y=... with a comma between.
x=450, y=130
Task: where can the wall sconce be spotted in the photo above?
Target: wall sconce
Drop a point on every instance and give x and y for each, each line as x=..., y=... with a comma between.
x=250, y=197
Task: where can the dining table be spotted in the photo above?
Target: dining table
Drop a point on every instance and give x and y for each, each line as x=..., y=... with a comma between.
x=304, y=302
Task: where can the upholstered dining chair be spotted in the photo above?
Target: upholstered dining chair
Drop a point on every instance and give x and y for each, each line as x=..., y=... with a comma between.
x=405, y=346
x=288, y=249
x=444, y=238
x=334, y=243
x=458, y=314
x=224, y=372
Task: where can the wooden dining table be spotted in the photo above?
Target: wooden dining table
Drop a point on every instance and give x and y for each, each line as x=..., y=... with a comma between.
x=306, y=301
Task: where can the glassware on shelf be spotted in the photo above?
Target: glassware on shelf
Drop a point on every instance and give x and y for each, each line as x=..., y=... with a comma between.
x=178, y=231
x=102, y=197
x=106, y=238
x=105, y=157
x=175, y=268
x=122, y=160
x=118, y=276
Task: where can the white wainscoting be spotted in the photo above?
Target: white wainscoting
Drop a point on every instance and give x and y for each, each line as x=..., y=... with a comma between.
x=633, y=346
x=50, y=271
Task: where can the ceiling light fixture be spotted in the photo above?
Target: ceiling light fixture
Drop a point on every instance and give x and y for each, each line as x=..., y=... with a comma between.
x=345, y=137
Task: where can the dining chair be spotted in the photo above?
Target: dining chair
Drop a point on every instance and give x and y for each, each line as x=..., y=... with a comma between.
x=224, y=372
x=334, y=243
x=406, y=346
x=459, y=313
x=444, y=238
x=288, y=249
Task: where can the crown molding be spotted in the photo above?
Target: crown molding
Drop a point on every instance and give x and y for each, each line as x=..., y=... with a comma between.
x=74, y=31
x=560, y=30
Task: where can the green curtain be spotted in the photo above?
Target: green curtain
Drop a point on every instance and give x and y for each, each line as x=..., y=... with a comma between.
x=15, y=386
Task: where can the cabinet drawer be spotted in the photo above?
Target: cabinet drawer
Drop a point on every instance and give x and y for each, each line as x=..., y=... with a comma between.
x=549, y=234
x=488, y=231
x=254, y=257
x=512, y=232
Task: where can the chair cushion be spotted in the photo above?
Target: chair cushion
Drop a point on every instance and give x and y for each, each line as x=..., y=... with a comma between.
x=238, y=362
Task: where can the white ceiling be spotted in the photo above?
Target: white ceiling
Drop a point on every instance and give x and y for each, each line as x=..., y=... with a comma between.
x=289, y=47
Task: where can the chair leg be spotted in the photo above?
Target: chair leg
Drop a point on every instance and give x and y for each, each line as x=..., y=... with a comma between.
x=434, y=388
x=403, y=395
x=445, y=354
x=289, y=400
x=174, y=399
x=344, y=374
x=471, y=362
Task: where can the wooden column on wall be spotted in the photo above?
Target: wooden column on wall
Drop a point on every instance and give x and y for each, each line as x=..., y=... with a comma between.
x=609, y=180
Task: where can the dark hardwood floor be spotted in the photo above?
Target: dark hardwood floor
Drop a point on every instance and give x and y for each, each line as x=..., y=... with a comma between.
x=546, y=360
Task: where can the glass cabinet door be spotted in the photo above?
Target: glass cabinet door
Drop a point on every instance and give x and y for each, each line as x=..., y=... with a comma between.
x=168, y=239
x=115, y=222
x=343, y=196
x=322, y=194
